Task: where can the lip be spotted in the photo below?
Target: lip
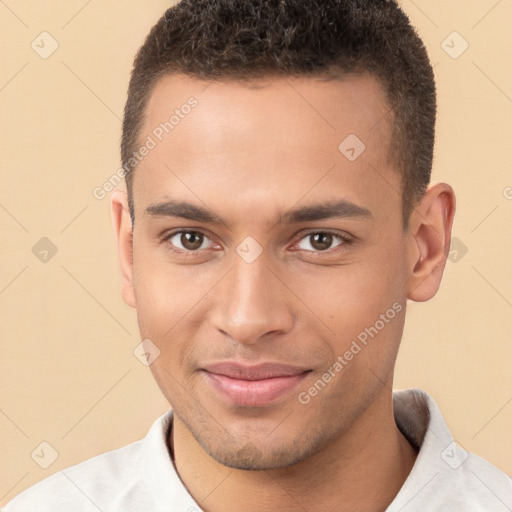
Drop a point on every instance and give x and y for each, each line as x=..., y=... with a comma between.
x=255, y=385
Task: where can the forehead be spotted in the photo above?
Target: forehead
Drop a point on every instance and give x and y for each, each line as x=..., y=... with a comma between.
x=352, y=100
x=269, y=136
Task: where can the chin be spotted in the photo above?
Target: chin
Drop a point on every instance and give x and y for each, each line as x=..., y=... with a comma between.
x=250, y=458
x=260, y=456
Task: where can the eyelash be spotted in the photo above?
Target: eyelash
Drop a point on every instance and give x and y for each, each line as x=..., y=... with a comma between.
x=345, y=241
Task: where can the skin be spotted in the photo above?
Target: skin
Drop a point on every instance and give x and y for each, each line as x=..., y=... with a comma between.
x=249, y=153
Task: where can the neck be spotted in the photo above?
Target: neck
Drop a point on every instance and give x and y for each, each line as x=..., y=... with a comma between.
x=362, y=470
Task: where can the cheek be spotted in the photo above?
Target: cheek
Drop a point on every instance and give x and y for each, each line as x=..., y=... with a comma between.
x=171, y=304
x=360, y=300
x=164, y=292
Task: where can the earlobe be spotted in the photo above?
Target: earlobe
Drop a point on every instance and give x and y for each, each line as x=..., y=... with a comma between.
x=122, y=224
x=429, y=243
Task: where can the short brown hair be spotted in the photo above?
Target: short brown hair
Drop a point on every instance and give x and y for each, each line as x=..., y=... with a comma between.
x=244, y=40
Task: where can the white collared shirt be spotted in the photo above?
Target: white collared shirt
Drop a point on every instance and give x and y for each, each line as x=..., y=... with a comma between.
x=141, y=477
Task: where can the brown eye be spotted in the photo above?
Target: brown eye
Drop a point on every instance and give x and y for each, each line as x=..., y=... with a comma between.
x=320, y=241
x=191, y=241
x=188, y=240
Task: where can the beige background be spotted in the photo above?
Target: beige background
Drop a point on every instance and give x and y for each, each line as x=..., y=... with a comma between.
x=68, y=375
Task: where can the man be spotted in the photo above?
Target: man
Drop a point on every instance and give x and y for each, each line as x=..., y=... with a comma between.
x=278, y=215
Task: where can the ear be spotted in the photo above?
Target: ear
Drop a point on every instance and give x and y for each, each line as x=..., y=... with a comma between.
x=121, y=221
x=430, y=228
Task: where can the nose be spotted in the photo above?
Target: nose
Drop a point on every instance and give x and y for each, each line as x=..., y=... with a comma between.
x=252, y=303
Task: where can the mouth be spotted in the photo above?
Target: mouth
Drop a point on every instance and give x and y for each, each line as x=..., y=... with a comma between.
x=253, y=386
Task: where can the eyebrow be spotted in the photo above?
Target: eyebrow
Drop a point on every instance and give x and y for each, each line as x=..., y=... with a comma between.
x=321, y=211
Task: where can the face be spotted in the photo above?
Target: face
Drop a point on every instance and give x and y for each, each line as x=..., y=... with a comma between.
x=269, y=260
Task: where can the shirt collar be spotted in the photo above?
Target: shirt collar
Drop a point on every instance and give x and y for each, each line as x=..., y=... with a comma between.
x=419, y=419
x=159, y=472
